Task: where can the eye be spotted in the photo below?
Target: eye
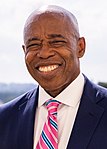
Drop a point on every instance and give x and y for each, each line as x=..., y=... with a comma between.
x=34, y=45
x=57, y=43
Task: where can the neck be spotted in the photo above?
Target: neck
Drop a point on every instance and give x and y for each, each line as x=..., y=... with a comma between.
x=58, y=90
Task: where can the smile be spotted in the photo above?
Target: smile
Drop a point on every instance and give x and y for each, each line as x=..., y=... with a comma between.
x=47, y=68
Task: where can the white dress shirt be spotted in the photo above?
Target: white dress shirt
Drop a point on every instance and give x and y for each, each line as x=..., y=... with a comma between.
x=70, y=99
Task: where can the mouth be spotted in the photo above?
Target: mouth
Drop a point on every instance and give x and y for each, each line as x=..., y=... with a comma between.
x=48, y=71
x=49, y=68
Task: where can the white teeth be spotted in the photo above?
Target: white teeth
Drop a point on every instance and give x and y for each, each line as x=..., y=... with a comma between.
x=48, y=68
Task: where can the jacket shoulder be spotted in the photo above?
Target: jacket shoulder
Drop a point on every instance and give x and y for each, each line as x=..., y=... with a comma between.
x=95, y=92
x=15, y=103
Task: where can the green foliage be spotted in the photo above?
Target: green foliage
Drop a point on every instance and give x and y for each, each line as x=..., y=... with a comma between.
x=103, y=84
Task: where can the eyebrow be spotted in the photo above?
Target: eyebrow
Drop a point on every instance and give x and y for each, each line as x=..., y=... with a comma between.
x=56, y=36
x=33, y=39
x=50, y=36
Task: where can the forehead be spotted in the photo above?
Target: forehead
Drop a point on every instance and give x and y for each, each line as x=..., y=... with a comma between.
x=46, y=24
x=47, y=20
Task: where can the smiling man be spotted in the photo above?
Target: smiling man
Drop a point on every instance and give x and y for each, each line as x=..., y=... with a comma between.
x=66, y=110
x=53, y=48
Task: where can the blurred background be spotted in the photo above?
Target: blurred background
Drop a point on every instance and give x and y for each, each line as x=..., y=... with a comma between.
x=92, y=19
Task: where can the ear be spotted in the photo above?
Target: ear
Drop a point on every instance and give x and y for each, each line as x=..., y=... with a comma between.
x=81, y=47
x=23, y=47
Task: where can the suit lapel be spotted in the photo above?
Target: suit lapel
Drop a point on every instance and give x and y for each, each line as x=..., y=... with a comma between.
x=87, y=119
x=26, y=121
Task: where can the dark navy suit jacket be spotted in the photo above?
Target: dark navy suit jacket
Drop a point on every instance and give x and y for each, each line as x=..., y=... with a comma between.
x=89, y=130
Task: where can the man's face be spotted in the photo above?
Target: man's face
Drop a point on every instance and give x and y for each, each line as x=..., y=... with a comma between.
x=52, y=52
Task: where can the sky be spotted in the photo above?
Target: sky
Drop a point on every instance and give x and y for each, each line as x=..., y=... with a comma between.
x=92, y=19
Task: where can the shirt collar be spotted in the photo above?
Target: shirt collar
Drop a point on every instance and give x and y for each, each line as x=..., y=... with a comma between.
x=70, y=96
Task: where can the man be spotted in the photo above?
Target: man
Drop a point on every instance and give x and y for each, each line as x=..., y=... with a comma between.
x=53, y=47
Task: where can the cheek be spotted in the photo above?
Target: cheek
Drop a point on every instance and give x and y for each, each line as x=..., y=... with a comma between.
x=29, y=57
x=29, y=63
x=71, y=62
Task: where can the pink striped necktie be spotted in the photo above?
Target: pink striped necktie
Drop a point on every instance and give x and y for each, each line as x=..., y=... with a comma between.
x=49, y=136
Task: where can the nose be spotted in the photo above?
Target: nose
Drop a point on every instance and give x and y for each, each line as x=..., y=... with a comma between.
x=45, y=52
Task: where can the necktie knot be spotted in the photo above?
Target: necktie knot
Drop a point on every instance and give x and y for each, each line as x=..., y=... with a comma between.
x=52, y=106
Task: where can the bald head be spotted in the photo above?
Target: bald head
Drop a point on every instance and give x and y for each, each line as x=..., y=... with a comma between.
x=53, y=48
x=55, y=12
